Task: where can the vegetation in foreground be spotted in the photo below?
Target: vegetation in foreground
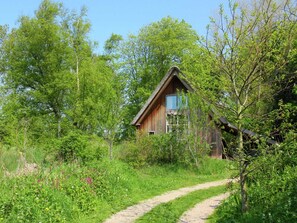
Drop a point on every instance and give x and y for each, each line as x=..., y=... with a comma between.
x=91, y=191
x=271, y=188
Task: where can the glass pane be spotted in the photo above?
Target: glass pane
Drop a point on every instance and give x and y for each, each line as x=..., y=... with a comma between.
x=182, y=102
x=171, y=102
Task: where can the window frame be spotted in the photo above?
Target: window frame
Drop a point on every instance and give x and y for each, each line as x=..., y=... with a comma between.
x=178, y=102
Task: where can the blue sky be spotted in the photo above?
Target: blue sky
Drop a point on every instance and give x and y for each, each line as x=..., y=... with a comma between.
x=121, y=16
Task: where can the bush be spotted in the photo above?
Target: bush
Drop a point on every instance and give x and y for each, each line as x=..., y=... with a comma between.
x=66, y=193
x=272, y=191
x=26, y=200
x=76, y=146
x=72, y=147
x=160, y=149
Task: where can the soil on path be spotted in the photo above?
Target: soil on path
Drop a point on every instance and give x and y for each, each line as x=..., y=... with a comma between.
x=134, y=212
x=201, y=211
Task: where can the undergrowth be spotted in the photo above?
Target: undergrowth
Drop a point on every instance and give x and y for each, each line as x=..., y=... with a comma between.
x=90, y=192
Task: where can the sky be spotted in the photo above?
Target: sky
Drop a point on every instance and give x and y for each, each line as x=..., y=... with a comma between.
x=122, y=17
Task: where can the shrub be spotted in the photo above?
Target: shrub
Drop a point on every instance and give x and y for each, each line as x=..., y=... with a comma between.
x=272, y=191
x=72, y=147
x=26, y=200
x=160, y=149
x=76, y=146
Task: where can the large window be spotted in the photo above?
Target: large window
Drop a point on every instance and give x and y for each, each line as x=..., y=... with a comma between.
x=177, y=122
x=171, y=102
x=176, y=102
x=176, y=118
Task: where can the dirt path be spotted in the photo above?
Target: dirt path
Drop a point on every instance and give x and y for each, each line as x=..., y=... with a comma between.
x=133, y=212
x=201, y=211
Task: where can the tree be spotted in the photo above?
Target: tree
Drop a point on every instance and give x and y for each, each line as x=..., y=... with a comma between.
x=36, y=68
x=76, y=29
x=111, y=46
x=113, y=113
x=53, y=79
x=148, y=56
x=3, y=35
x=247, y=46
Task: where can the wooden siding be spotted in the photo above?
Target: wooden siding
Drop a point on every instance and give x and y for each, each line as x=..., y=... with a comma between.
x=215, y=141
x=155, y=121
x=152, y=117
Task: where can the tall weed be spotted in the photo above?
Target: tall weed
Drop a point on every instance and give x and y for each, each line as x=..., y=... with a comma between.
x=160, y=149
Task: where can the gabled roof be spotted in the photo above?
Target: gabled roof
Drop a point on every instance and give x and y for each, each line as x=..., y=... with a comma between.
x=173, y=72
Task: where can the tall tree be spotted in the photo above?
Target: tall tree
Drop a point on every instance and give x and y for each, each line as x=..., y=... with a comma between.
x=77, y=28
x=35, y=62
x=149, y=55
x=245, y=52
x=51, y=71
x=3, y=35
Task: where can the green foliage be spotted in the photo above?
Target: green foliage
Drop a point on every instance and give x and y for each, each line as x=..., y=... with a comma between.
x=72, y=147
x=72, y=192
x=245, y=53
x=112, y=45
x=271, y=187
x=53, y=83
x=27, y=200
x=13, y=160
x=8, y=158
x=160, y=149
x=38, y=74
x=78, y=147
x=147, y=57
x=273, y=183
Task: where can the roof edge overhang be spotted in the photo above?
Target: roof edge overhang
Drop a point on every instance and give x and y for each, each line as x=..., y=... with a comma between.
x=172, y=72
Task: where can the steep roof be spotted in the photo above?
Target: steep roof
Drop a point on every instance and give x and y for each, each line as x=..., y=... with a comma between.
x=173, y=72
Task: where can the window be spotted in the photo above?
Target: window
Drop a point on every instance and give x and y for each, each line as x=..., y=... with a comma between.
x=151, y=132
x=175, y=102
x=177, y=123
x=176, y=116
x=171, y=102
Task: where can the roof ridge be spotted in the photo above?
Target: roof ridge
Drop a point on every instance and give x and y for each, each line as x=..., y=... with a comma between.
x=155, y=92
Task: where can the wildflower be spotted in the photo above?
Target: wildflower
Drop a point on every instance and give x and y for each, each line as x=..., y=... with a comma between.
x=89, y=180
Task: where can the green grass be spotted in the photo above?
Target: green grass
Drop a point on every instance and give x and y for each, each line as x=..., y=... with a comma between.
x=115, y=185
x=140, y=184
x=9, y=159
x=172, y=211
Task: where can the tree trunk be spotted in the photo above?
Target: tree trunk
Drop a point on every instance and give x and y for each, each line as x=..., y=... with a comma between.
x=194, y=155
x=242, y=162
x=110, y=149
x=243, y=192
x=25, y=135
x=77, y=75
x=171, y=153
x=59, y=128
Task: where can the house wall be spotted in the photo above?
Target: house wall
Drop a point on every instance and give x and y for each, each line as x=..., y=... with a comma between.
x=155, y=121
x=215, y=142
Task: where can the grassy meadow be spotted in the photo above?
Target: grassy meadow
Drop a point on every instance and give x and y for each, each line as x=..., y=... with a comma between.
x=91, y=191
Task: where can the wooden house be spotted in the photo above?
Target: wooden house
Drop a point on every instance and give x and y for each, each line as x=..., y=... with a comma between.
x=163, y=104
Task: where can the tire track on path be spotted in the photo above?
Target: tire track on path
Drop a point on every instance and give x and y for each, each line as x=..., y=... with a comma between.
x=132, y=213
x=200, y=212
